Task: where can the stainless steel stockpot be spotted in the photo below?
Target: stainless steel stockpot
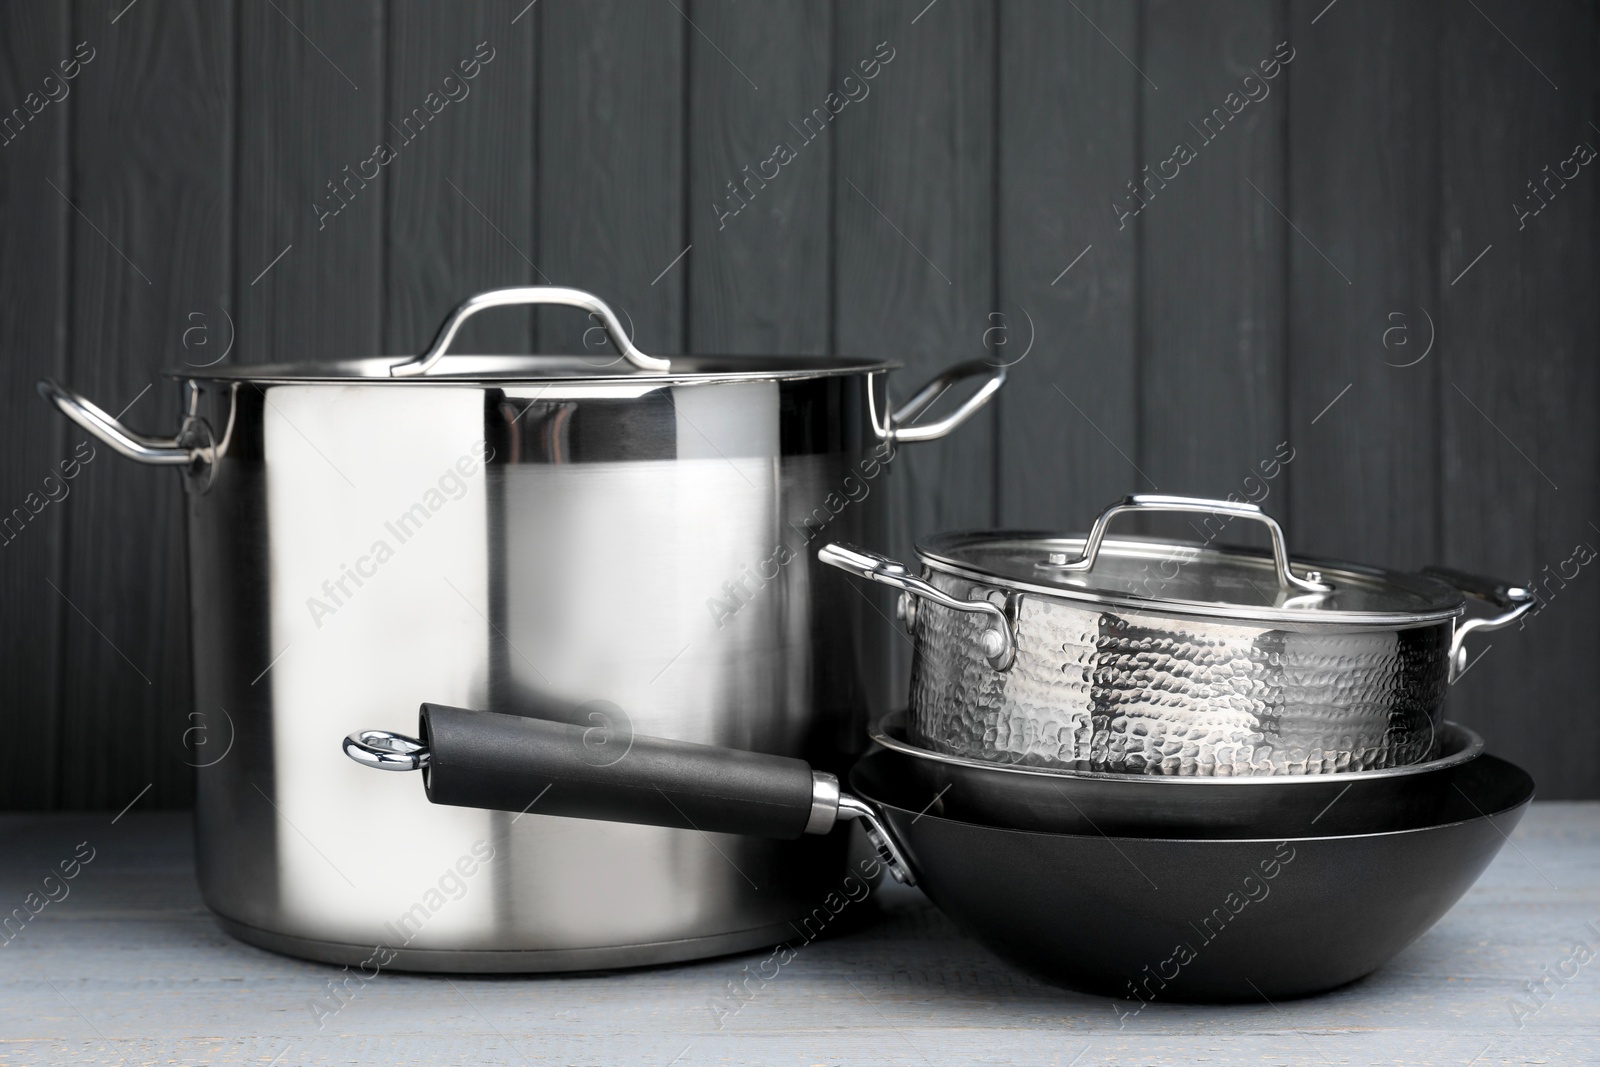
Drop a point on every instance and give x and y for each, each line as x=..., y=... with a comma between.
x=1165, y=657
x=520, y=531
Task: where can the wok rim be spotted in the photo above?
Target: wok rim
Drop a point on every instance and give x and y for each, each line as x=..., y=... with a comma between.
x=1524, y=800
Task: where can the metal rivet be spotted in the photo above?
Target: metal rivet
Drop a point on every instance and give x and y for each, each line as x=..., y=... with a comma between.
x=992, y=643
x=1056, y=559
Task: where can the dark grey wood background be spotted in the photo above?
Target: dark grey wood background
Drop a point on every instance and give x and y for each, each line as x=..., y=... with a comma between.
x=1359, y=216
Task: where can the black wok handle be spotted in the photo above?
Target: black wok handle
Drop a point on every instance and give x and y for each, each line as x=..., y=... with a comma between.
x=484, y=759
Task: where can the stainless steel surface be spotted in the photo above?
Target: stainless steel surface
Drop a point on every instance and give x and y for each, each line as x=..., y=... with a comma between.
x=1148, y=502
x=386, y=751
x=1457, y=744
x=996, y=640
x=824, y=802
x=503, y=531
x=531, y=294
x=1161, y=657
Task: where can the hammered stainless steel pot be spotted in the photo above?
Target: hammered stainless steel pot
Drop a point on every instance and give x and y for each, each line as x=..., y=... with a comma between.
x=1163, y=657
x=520, y=530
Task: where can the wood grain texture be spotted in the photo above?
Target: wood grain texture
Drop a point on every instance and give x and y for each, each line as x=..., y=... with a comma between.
x=1212, y=279
x=460, y=204
x=1068, y=417
x=611, y=168
x=34, y=40
x=914, y=276
x=1364, y=183
x=312, y=102
x=914, y=231
x=1521, y=447
x=759, y=273
x=143, y=975
x=151, y=176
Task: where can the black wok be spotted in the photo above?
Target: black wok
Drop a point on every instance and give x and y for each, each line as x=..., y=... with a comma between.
x=1142, y=918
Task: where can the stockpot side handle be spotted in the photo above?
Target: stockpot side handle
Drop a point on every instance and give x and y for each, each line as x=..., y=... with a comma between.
x=896, y=426
x=998, y=642
x=524, y=295
x=485, y=759
x=1514, y=601
x=161, y=451
x=1147, y=502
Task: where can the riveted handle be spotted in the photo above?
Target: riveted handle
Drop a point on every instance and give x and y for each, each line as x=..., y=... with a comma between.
x=1287, y=579
x=1514, y=601
x=998, y=642
x=896, y=427
x=160, y=451
x=523, y=295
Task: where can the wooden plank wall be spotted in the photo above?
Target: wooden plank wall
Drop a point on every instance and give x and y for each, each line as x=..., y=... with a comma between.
x=1334, y=266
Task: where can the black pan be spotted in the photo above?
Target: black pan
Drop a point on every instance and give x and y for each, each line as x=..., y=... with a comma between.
x=1147, y=805
x=1146, y=918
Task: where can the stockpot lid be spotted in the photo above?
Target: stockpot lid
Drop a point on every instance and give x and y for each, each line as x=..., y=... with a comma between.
x=1193, y=577
x=628, y=365
x=472, y=369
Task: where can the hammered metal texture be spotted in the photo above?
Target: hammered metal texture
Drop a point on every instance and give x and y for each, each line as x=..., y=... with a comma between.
x=1151, y=693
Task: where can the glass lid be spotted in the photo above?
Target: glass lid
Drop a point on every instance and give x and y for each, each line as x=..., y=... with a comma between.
x=1190, y=577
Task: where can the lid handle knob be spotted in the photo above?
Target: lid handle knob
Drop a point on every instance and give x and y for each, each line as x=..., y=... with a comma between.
x=529, y=294
x=1287, y=579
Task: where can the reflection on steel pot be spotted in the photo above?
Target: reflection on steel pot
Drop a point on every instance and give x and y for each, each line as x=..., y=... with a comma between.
x=537, y=528
x=1165, y=657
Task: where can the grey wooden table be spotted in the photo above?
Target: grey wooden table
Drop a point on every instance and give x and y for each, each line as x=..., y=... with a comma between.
x=129, y=968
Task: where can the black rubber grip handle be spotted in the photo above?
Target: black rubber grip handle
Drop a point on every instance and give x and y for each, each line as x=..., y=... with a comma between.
x=486, y=759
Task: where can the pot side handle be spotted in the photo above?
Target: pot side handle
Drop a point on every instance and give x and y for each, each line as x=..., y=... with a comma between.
x=1514, y=601
x=524, y=295
x=998, y=642
x=896, y=426
x=161, y=451
x=485, y=759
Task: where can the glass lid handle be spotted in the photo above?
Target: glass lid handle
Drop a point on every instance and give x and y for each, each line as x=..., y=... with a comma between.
x=1154, y=502
x=522, y=295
